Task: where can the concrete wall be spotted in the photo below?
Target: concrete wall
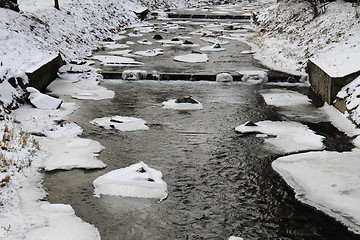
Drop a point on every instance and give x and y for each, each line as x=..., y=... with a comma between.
x=326, y=86
x=44, y=74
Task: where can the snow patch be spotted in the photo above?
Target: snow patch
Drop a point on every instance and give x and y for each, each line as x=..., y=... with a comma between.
x=42, y=101
x=120, y=123
x=192, y=58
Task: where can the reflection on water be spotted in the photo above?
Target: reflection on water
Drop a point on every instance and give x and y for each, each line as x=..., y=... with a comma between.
x=220, y=183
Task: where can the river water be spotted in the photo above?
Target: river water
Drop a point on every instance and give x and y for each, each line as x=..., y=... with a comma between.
x=220, y=183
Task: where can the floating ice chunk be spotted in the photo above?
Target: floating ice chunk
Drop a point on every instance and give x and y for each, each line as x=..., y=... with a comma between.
x=144, y=42
x=254, y=77
x=130, y=43
x=42, y=101
x=247, y=52
x=192, y=58
x=134, y=74
x=116, y=60
x=214, y=48
x=135, y=34
x=182, y=105
x=116, y=46
x=224, y=77
x=120, y=123
x=235, y=238
x=289, y=136
x=329, y=181
x=137, y=180
x=280, y=97
x=74, y=153
x=150, y=52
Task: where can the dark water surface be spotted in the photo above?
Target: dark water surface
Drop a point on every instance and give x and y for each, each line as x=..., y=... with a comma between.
x=220, y=183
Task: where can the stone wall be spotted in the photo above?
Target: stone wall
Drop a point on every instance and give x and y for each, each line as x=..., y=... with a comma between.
x=41, y=76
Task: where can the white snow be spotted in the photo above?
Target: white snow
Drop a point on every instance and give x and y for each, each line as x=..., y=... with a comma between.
x=42, y=101
x=121, y=123
x=254, y=77
x=192, y=58
x=137, y=180
x=150, y=52
x=213, y=48
x=172, y=104
x=117, y=60
x=289, y=137
x=327, y=180
x=235, y=238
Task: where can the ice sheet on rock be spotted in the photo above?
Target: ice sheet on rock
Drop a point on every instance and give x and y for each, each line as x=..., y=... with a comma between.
x=119, y=37
x=224, y=77
x=42, y=101
x=326, y=180
x=280, y=97
x=116, y=60
x=289, y=136
x=235, y=238
x=150, y=52
x=66, y=130
x=144, y=42
x=247, y=52
x=121, y=123
x=172, y=104
x=135, y=34
x=40, y=120
x=134, y=74
x=80, y=86
x=192, y=58
x=137, y=180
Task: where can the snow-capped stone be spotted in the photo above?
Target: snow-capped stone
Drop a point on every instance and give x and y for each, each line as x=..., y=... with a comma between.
x=42, y=101
x=224, y=77
x=137, y=180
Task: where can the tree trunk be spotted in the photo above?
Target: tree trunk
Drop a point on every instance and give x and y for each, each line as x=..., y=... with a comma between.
x=57, y=4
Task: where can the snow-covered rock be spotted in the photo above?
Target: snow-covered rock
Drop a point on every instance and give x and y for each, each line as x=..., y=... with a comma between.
x=255, y=77
x=134, y=74
x=120, y=123
x=224, y=77
x=137, y=180
x=42, y=101
x=193, y=104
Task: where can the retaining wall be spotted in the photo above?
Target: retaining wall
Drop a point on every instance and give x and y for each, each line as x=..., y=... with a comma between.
x=325, y=85
x=42, y=74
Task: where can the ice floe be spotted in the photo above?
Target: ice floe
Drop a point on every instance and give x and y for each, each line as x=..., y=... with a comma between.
x=144, y=42
x=280, y=97
x=326, y=180
x=285, y=136
x=116, y=46
x=187, y=103
x=121, y=123
x=137, y=180
x=42, y=101
x=192, y=58
x=117, y=60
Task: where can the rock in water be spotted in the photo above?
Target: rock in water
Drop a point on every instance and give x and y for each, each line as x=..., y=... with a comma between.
x=186, y=100
x=42, y=101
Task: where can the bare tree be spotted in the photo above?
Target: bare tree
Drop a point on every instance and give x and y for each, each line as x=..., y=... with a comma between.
x=57, y=4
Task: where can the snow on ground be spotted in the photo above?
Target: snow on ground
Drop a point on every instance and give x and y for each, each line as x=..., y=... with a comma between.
x=284, y=136
x=287, y=36
x=124, y=124
x=137, y=180
x=327, y=180
x=280, y=97
x=42, y=101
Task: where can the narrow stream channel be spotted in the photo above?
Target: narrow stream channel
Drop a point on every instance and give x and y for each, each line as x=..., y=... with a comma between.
x=220, y=183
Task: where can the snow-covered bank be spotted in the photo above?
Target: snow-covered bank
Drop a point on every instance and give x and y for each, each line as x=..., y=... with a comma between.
x=287, y=35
